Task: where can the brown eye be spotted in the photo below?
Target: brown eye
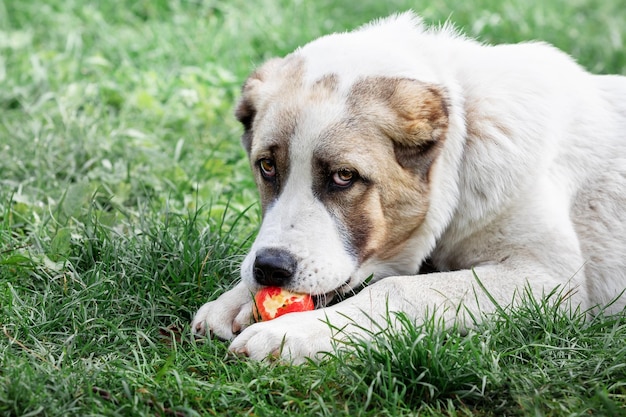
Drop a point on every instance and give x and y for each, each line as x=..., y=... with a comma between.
x=344, y=177
x=268, y=169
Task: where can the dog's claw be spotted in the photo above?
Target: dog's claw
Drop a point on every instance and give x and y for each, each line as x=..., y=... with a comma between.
x=198, y=330
x=236, y=328
x=241, y=352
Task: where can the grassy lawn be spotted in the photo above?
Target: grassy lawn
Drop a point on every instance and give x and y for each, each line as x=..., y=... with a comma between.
x=126, y=202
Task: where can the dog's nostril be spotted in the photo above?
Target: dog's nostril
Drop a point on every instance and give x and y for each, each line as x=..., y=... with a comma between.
x=267, y=272
x=274, y=267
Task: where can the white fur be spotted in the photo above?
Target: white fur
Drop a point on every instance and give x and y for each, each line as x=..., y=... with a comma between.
x=529, y=189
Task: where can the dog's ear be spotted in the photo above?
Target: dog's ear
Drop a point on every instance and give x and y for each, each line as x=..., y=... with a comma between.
x=418, y=124
x=248, y=105
x=246, y=110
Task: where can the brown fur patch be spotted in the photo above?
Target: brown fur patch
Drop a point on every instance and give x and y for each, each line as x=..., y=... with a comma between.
x=391, y=137
x=325, y=85
x=273, y=99
x=246, y=109
x=269, y=95
x=416, y=117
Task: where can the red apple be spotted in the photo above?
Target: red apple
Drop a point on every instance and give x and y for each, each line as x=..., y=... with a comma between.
x=272, y=302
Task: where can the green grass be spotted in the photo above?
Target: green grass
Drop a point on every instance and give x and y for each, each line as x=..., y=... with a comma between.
x=126, y=202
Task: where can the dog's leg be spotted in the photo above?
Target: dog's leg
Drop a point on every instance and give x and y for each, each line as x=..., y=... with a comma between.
x=450, y=296
x=226, y=316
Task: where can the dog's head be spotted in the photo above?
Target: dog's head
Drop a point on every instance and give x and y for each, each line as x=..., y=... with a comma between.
x=342, y=141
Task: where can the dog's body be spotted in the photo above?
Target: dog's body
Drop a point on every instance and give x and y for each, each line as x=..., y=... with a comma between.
x=376, y=149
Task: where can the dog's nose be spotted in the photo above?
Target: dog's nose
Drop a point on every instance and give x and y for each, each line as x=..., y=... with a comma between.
x=274, y=267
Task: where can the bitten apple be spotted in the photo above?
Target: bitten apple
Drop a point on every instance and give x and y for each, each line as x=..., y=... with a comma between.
x=272, y=302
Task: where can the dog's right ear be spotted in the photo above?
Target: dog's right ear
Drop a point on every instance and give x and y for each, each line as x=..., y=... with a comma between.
x=248, y=105
x=246, y=111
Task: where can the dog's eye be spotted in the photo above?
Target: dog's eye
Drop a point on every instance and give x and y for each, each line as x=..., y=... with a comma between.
x=344, y=177
x=268, y=168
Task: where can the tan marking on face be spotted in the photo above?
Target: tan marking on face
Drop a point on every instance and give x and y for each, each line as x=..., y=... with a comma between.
x=274, y=98
x=391, y=136
x=252, y=89
x=277, y=79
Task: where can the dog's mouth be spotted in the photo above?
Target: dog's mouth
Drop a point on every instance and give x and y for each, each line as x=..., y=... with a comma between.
x=337, y=295
x=323, y=300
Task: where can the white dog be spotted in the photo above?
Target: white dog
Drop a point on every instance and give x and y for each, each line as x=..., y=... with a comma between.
x=377, y=149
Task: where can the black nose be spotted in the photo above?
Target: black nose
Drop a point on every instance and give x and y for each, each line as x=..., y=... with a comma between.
x=274, y=267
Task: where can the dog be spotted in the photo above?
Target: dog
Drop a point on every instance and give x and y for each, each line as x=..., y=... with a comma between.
x=378, y=149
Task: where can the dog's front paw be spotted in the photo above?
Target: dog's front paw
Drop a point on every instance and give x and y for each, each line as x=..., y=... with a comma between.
x=290, y=338
x=225, y=317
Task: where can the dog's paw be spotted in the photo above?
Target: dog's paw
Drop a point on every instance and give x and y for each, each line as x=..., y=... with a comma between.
x=290, y=338
x=225, y=317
